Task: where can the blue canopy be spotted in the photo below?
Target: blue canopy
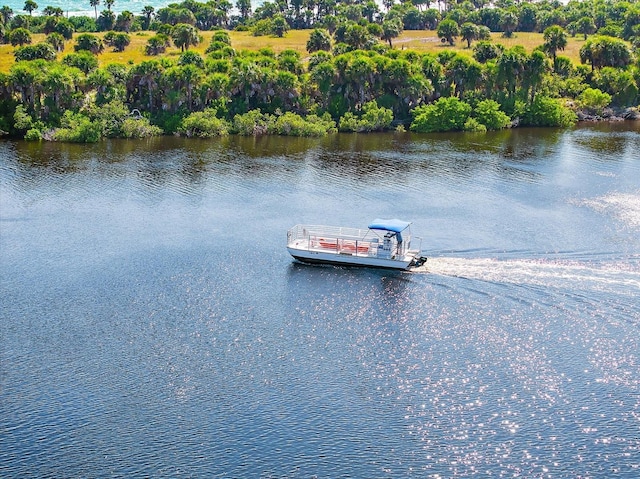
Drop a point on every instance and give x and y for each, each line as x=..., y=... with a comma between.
x=389, y=225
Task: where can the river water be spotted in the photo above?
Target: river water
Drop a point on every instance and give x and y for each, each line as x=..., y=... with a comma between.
x=154, y=325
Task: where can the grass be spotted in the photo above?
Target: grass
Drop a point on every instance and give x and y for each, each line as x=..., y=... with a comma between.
x=419, y=40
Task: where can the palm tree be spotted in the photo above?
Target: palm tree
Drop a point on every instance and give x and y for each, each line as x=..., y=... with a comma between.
x=124, y=21
x=318, y=40
x=147, y=13
x=244, y=6
x=58, y=86
x=555, y=38
x=279, y=26
x=109, y=4
x=56, y=40
x=94, y=4
x=391, y=29
x=143, y=82
x=536, y=67
x=469, y=32
x=53, y=11
x=7, y=14
x=30, y=6
x=19, y=36
x=448, y=30
x=586, y=26
x=508, y=22
x=24, y=79
x=511, y=66
x=184, y=36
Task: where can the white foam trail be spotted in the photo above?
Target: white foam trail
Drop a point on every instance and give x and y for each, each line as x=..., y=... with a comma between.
x=624, y=206
x=611, y=277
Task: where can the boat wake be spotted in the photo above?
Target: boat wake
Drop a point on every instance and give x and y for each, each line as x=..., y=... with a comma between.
x=618, y=277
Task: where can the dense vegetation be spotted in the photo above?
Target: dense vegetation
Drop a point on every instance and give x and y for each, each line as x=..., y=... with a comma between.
x=353, y=79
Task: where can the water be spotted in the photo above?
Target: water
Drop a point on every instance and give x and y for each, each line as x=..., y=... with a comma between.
x=154, y=325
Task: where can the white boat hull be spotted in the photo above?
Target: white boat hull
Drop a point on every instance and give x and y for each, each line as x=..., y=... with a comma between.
x=320, y=257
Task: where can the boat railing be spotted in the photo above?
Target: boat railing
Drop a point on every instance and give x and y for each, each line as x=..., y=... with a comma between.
x=340, y=240
x=305, y=231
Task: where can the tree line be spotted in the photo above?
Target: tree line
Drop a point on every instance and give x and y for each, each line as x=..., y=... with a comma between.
x=353, y=79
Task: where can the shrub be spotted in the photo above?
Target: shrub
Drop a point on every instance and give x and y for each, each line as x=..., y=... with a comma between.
x=251, y=123
x=594, y=99
x=88, y=42
x=33, y=134
x=82, y=60
x=488, y=113
x=77, y=128
x=157, y=44
x=42, y=51
x=474, y=125
x=291, y=124
x=139, y=128
x=446, y=114
x=484, y=51
x=118, y=40
x=203, y=124
x=545, y=111
x=373, y=118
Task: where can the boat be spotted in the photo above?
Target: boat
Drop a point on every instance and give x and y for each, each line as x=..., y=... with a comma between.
x=386, y=243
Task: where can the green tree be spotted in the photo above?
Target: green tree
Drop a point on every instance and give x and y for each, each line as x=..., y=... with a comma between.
x=391, y=29
x=43, y=51
x=545, y=111
x=147, y=14
x=279, y=26
x=244, y=7
x=203, y=124
x=90, y=43
x=6, y=13
x=536, y=67
x=142, y=85
x=555, y=38
x=469, y=32
x=511, y=66
x=30, y=6
x=586, y=26
x=84, y=60
x=65, y=28
x=118, y=40
x=157, y=44
x=124, y=21
x=485, y=51
x=448, y=30
x=373, y=118
x=106, y=21
x=184, y=36
x=604, y=51
x=508, y=22
x=319, y=39
x=19, y=36
x=94, y=4
x=56, y=41
x=52, y=11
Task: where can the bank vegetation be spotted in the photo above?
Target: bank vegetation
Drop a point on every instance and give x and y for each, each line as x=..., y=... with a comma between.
x=309, y=68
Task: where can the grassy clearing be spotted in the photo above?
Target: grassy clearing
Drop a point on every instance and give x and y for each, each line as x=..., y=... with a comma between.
x=419, y=40
x=428, y=41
